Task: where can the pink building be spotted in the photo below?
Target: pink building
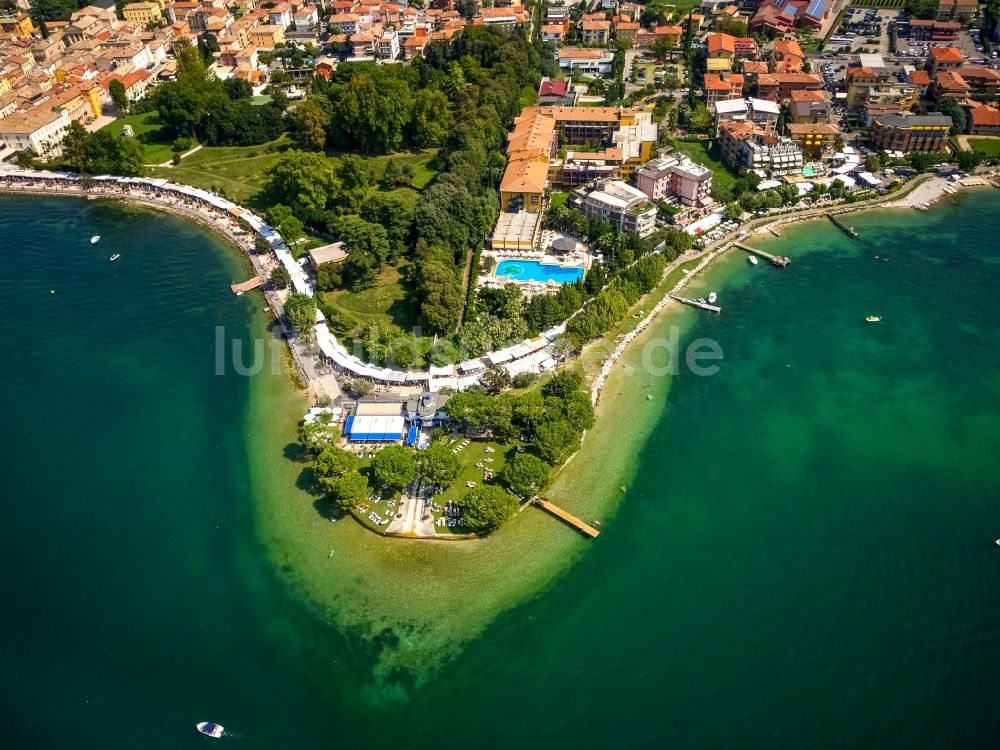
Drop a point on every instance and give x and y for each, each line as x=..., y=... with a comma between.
x=675, y=178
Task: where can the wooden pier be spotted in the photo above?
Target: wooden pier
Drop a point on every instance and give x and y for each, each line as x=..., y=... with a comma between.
x=569, y=518
x=775, y=260
x=849, y=231
x=246, y=286
x=697, y=303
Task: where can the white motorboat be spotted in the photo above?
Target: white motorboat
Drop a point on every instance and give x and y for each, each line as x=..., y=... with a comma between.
x=209, y=729
x=753, y=260
x=95, y=239
x=873, y=319
x=114, y=257
x=712, y=296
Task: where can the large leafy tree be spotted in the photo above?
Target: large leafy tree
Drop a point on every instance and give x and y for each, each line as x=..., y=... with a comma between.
x=488, y=507
x=525, y=474
x=116, y=90
x=303, y=179
x=52, y=10
x=301, y=311
x=348, y=490
x=441, y=296
x=394, y=467
x=438, y=465
x=430, y=118
x=308, y=121
x=373, y=111
x=556, y=440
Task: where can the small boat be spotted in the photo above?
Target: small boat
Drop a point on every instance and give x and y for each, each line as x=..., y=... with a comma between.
x=238, y=294
x=114, y=257
x=649, y=396
x=712, y=296
x=95, y=239
x=753, y=260
x=998, y=542
x=702, y=300
x=873, y=319
x=209, y=729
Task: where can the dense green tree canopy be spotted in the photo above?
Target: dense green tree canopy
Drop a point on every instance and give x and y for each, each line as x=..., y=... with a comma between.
x=301, y=311
x=438, y=464
x=525, y=475
x=394, y=467
x=488, y=507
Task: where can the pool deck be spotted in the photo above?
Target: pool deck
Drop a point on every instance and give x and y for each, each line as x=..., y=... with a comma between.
x=529, y=286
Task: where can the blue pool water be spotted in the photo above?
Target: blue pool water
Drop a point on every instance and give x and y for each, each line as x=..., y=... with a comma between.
x=808, y=171
x=532, y=270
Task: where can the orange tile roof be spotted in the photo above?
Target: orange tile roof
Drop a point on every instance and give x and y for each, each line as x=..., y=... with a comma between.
x=920, y=78
x=985, y=115
x=947, y=54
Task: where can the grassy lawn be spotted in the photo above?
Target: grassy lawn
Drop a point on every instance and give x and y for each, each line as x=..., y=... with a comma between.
x=986, y=146
x=238, y=170
x=469, y=456
x=147, y=129
x=700, y=153
x=559, y=198
x=388, y=301
x=241, y=170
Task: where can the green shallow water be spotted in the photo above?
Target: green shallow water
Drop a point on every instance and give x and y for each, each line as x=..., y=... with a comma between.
x=804, y=555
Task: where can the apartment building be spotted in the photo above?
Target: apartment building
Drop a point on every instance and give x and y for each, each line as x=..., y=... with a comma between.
x=675, y=177
x=623, y=206
x=908, y=133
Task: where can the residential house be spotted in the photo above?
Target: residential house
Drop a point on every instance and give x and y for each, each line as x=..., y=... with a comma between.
x=860, y=81
x=760, y=112
x=786, y=57
x=922, y=81
x=16, y=24
x=908, y=133
x=778, y=87
x=626, y=31
x=553, y=32
x=722, y=87
x=387, y=45
x=983, y=120
x=142, y=14
x=552, y=93
x=943, y=58
x=722, y=49
x=595, y=32
x=267, y=36
x=280, y=15
x=810, y=106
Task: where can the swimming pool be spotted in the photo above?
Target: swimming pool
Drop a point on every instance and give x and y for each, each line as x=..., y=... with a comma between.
x=808, y=171
x=532, y=270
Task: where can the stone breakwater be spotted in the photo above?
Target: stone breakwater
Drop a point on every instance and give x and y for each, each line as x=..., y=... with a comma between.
x=609, y=361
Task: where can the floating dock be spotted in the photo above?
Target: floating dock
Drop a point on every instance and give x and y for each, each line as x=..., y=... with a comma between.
x=775, y=260
x=696, y=303
x=849, y=231
x=569, y=518
x=246, y=286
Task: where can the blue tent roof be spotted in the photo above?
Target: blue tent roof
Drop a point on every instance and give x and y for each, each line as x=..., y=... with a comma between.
x=411, y=435
x=348, y=425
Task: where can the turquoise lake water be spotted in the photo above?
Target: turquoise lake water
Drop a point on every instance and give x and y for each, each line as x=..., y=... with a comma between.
x=532, y=270
x=805, y=558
